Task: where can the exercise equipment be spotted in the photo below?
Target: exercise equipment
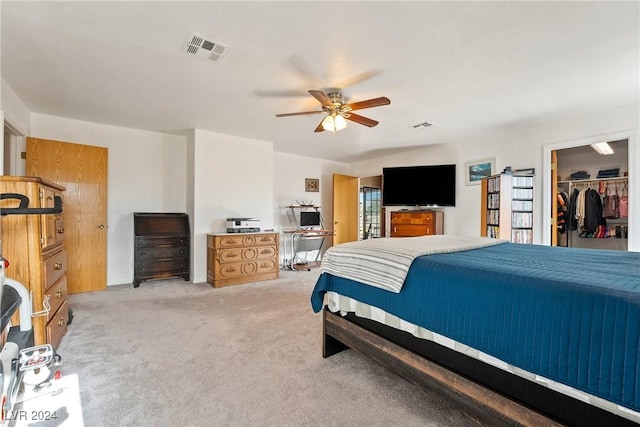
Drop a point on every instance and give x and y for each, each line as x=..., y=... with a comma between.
x=21, y=362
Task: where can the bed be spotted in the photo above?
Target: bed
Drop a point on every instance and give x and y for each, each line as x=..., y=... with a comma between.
x=524, y=334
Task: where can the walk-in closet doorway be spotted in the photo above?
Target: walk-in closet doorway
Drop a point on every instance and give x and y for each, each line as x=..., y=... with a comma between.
x=561, y=160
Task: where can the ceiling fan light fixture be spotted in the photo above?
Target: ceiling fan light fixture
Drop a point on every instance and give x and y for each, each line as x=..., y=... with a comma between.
x=334, y=122
x=338, y=111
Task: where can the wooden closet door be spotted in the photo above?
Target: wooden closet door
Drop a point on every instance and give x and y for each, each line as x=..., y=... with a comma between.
x=82, y=169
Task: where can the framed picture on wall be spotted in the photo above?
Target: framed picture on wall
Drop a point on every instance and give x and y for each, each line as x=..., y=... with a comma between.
x=311, y=185
x=477, y=170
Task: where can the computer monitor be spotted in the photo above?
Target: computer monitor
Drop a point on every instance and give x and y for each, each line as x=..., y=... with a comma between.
x=309, y=219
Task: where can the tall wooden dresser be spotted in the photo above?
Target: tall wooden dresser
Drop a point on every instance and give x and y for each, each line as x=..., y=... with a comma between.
x=234, y=258
x=161, y=246
x=416, y=223
x=34, y=246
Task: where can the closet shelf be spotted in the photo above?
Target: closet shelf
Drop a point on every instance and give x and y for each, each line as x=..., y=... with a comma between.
x=585, y=181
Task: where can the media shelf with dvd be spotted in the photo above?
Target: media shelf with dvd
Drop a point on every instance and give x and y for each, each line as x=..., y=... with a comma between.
x=506, y=210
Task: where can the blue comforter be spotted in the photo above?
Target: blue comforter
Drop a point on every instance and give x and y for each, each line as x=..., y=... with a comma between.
x=571, y=315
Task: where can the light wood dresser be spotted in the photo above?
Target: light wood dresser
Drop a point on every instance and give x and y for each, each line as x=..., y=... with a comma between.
x=234, y=258
x=34, y=246
x=416, y=223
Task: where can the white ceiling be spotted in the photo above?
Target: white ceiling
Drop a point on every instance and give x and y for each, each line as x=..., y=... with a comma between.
x=466, y=67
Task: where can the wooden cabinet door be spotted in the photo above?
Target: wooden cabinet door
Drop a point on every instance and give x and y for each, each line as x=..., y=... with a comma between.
x=82, y=169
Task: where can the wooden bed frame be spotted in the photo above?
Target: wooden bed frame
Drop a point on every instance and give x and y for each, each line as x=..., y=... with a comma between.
x=486, y=393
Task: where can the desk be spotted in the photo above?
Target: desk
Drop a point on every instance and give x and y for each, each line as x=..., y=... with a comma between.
x=297, y=242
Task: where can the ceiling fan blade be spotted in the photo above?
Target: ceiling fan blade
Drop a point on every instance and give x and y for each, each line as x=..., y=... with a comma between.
x=359, y=78
x=298, y=114
x=281, y=93
x=319, y=128
x=360, y=119
x=375, y=102
x=320, y=96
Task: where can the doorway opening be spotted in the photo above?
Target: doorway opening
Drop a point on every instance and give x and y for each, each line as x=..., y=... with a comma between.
x=371, y=215
x=13, y=150
x=550, y=181
x=603, y=177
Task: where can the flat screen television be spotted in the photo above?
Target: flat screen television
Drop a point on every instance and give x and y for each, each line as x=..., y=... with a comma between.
x=309, y=219
x=433, y=185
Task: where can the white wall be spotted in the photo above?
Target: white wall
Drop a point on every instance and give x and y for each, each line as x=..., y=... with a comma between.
x=15, y=112
x=190, y=167
x=17, y=116
x=146, y=174
x=290, y=172
x=519, y=147
x=233, y=177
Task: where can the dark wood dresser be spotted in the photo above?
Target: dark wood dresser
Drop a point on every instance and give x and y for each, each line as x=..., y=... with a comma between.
x=161, y=246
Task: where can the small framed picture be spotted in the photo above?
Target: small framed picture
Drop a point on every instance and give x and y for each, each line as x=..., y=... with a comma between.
x=311, y=185
x=475, y=171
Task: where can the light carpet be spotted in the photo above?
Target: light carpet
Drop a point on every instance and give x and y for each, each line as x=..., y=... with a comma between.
x=173, y=353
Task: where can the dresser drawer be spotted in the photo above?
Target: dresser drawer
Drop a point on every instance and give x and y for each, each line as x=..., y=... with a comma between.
x=147, y=253
x=267, y=266
x=57, y=326
x=267, y=239
x=234, y=241
x=54, y=268
x=267, y=252
x=402, y=230
x=57, y=295
x=237, y=254
x=241, y=240
x=226, y=271
x=142, y=242
x=411, y=218
x=162, y=265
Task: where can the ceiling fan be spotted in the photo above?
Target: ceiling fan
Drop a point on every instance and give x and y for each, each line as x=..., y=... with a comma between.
x=337, y=110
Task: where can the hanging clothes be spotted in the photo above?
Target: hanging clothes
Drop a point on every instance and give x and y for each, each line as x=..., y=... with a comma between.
x=563, y=212
x=593, y=219
x=573, y=201
x=580, y=208
x=624, y=202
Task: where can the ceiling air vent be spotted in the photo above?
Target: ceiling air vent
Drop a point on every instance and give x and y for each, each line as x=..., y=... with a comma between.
x=422, y=125
x=199, y=46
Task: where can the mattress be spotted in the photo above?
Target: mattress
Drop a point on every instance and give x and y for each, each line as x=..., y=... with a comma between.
x=561, y=316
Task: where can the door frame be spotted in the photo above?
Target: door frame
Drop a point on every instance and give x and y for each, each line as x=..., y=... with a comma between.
x=634, y=182
x=14, y=146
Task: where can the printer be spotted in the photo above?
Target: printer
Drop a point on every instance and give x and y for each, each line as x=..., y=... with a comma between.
x=243, y=225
